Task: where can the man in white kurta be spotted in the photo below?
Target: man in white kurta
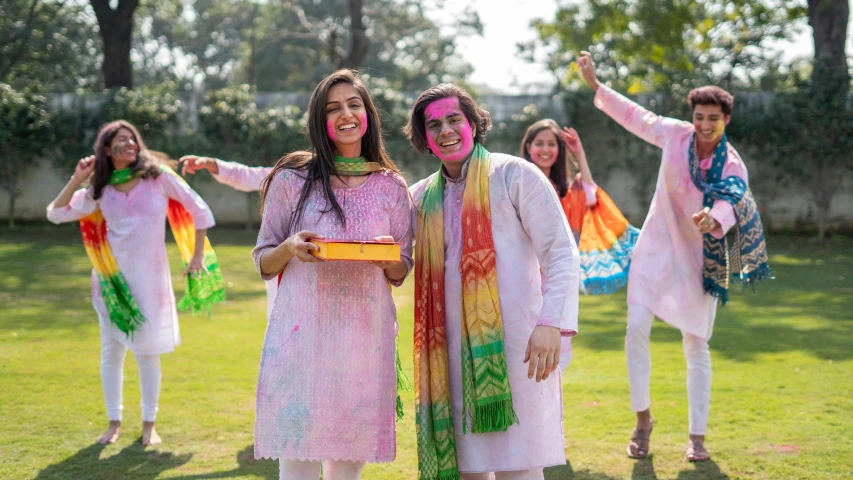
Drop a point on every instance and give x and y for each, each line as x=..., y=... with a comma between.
x=530, y=233
x=665, y=280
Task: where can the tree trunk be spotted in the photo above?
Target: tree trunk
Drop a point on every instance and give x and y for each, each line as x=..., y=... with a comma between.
x=358, y=37
x=116, y=32
x=828, y=19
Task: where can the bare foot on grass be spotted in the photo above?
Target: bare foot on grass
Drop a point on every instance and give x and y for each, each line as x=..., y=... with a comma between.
x=149, y=435
x=112, y=433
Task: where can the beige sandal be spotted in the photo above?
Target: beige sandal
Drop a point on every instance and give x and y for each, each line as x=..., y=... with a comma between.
x=638, y=447
x=696, y=452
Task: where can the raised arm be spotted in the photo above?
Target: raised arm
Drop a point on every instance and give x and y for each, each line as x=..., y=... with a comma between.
x=574, y=145
x=74, y=203
x=648, y=126
x=233, y=174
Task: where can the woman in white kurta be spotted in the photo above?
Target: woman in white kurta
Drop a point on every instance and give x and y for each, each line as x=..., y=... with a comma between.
x=239, y=177
x=530, y=236
x=135, y=213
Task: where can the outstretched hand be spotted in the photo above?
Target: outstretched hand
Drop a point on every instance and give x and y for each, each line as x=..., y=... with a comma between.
x=193, y=163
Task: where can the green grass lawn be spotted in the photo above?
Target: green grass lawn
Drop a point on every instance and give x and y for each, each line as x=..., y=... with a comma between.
x=781, y=403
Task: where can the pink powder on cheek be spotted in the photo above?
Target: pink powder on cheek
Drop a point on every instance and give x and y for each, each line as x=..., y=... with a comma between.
x=441, y=109
x=363, y=121
x=330, y=130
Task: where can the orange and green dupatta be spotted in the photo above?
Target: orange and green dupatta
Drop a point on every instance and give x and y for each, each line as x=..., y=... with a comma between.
x=487, y=401
x=201, y=293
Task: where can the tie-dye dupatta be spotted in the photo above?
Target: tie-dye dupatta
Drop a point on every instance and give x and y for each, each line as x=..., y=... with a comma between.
x=605, y=240
x=747, y=262
x=487, y=401
x=201, y=293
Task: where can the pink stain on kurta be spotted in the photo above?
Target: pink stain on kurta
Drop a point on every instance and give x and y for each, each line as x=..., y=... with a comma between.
x=329, y=392
x=666, y=269
x=137, y=221
x=530, y=232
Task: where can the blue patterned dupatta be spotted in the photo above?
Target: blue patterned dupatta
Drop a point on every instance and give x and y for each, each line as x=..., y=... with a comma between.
x=747, y=261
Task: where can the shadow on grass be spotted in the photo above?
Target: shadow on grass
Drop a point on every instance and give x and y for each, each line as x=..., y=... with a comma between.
x=564, y=472
x=703, y=471
x=132, y=461
x=644, y=469
x=247, y=465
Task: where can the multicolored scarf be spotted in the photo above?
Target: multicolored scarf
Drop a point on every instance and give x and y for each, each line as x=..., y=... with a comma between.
x=355, y=166
x=605, y=240
x=487, y=401
x=123, y=310
x=747, y=262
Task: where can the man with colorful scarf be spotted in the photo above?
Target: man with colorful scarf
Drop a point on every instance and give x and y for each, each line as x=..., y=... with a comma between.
x=681, y=262
x=487, y=338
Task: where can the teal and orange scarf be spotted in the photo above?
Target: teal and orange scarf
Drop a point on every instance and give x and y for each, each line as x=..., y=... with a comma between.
x=747, y=261
x=201, y=293
x=487, y=401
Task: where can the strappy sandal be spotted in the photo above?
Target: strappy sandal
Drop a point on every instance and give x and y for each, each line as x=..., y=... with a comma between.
x=696, y=452
x=638, y=447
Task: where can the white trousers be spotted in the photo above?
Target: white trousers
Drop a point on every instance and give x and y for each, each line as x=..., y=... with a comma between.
x=112, y=379
x=532, y=474
x=639, y=362
x=310, y=470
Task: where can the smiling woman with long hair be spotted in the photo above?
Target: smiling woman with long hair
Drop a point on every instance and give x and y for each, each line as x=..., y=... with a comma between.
x=327, y=383
x=122, y=216
x=605, y=238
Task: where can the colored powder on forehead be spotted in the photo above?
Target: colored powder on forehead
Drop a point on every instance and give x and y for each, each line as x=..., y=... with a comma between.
x=442, y=108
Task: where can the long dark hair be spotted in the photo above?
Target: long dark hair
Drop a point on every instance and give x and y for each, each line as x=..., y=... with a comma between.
x=477, y=117
x=319, y=166
x=145, y=164
x=561, y=171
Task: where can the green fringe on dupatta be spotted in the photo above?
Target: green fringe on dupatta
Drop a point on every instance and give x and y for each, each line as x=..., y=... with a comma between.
x=121, y=307
x=402, y=381
x=205, y=291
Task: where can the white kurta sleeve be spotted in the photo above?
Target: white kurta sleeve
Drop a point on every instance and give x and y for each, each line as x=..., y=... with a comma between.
x=82, y=203
x=650, y=127
x=401, y=227
x=542, y=218
x=239, y=176
x=176, y=189
x=275, y=224
x=723, y=211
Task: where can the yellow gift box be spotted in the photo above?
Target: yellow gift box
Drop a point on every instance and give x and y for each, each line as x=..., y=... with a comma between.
x=358, y=251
